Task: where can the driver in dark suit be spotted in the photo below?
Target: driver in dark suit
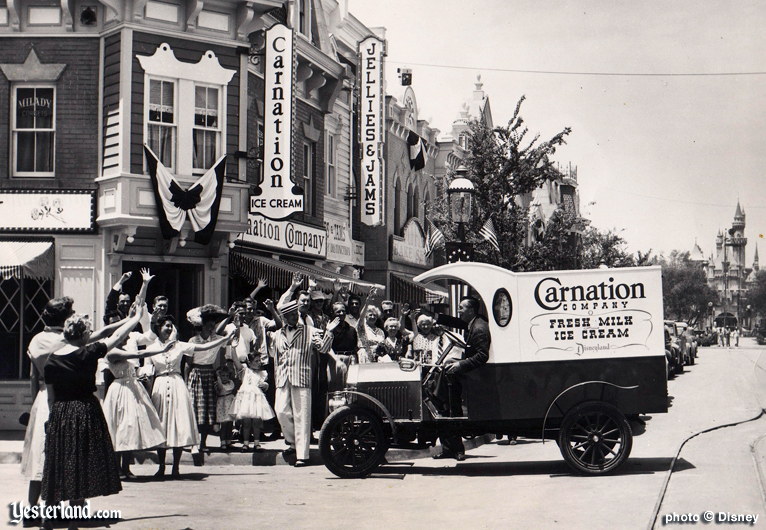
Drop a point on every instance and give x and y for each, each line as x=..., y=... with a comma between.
x=478, y=340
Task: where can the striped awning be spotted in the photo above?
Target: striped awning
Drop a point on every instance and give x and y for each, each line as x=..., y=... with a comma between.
x=326, y=278
x=252, y=267
x=405, y=290
x=26, y=259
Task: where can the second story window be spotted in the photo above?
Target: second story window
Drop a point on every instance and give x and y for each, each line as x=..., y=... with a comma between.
x=33, y=130
x=304, y=17
x=308, y=178
x=206, y=126
x=332, y=184
x=185, y=116
x=161, y=121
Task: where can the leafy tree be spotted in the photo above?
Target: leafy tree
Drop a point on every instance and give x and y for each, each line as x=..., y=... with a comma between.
x=685, y=292
x=756, y=295
x=503, y=165
x=606, y=248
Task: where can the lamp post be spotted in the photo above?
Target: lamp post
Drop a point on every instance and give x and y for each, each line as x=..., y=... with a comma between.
x=710, y=310
x=460, y=198
x=460, y=194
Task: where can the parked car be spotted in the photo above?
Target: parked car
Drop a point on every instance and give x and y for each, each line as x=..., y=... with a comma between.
x=690, y=348
x=676, y=346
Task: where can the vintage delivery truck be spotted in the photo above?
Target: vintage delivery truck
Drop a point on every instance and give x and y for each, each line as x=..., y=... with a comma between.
x=574, y=355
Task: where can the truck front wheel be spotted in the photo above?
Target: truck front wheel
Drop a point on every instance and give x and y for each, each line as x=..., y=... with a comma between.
x=353, y=442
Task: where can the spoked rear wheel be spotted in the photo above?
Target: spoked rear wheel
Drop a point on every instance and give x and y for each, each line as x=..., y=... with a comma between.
x=353, y=442
x=595, y=438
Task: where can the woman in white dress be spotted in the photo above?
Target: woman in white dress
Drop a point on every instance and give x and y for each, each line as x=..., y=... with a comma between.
x=370, y=336
x=170, y=396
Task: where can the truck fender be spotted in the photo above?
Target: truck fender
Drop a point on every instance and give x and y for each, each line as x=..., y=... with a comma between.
x=377, y=403
x=548, y=410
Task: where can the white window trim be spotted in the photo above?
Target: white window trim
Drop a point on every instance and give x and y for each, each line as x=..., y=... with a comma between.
x=308, y=180
x=163, y=65
x=176, y=114
x=309, y=18
x=219, y=130
x=31, y=174
x=331, y=161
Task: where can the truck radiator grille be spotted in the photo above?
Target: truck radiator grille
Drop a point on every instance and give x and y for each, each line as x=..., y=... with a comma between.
x=392, y=396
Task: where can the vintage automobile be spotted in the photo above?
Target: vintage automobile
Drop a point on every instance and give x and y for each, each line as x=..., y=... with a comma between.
x=574, y=355
x=689, y=342
x=678, y=346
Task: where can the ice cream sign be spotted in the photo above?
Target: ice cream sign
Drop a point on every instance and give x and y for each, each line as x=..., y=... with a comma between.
x=561, y=315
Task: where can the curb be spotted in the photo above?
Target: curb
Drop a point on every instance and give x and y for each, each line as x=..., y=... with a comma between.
x=268, y=456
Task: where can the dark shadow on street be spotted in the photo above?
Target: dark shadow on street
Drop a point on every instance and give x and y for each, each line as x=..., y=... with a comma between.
x=107, y=523
x=471, y=467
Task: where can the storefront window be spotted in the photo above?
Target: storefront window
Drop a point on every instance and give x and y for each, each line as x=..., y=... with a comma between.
x=161, y=121
x=206, y=126
x=21, y=304
x=34, y=131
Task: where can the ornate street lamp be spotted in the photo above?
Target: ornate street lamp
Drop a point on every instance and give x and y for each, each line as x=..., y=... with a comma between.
x=710, y=309
x=460, y=197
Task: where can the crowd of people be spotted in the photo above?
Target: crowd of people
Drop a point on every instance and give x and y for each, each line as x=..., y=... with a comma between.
x=134, y=385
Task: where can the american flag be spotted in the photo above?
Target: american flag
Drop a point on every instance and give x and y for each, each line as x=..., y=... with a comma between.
x=434, y=237
x=488, y=232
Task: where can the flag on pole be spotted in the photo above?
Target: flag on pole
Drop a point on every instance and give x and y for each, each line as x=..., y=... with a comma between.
x=434, y=237
x=418, y=151
x=488, y=232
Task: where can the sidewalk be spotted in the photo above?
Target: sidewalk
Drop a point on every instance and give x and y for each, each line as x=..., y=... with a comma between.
x=270, y=454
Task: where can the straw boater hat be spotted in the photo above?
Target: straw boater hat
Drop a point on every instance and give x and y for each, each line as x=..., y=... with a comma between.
x=288, y=307
x=317, y=295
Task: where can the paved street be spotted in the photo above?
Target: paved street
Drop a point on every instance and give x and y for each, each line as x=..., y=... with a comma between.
x=522, y=486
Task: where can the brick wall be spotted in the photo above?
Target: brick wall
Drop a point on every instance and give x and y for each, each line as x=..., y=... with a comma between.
x=76, y=110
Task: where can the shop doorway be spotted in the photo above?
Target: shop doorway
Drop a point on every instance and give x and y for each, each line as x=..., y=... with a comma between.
x=181, y=282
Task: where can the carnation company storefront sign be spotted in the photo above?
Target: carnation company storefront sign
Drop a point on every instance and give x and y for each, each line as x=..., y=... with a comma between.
x=341, y=248
x=411, y=247
x=371, y=52
x=47, y=211
x=285, y=235
x=278, y=195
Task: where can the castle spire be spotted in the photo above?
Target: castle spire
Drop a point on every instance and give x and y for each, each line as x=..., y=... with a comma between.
x=755, y=258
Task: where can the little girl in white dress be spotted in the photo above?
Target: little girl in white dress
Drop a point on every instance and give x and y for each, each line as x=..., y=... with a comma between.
x=251, y=405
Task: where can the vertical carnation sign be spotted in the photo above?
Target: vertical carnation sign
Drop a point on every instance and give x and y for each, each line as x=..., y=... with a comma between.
x=278, y=195
x=371, y=52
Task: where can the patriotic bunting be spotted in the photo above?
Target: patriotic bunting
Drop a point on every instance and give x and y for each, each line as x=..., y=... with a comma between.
x=200, y=202
x=418, y=151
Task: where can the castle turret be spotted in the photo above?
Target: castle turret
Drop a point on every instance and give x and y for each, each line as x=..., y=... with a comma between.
x=755, y=259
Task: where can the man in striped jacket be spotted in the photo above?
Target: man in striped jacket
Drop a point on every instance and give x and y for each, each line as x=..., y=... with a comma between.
x=295, y=344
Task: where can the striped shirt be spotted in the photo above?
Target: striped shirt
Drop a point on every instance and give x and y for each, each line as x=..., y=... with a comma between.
x=294, y=350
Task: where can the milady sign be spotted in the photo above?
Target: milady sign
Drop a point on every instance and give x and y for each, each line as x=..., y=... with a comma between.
x=277, y=196
x=285, y=235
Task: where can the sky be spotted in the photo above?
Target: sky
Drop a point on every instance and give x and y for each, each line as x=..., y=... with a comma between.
x=661, y=158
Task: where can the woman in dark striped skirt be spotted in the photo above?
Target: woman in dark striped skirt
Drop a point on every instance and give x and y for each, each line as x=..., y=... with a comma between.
x=201, y=381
